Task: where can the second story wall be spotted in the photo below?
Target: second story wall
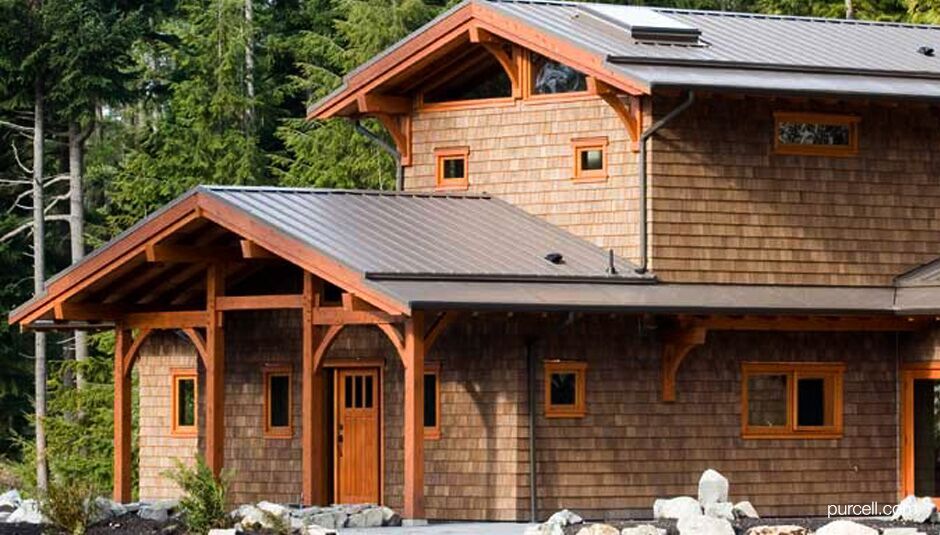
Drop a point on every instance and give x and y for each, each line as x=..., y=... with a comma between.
x=523, y=154
x=726, y=208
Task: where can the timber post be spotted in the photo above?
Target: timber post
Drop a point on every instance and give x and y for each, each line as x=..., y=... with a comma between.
x=414, y=350
x=215, y=370
x=122, y=416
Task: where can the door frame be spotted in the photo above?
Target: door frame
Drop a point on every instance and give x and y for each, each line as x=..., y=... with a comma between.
x=909, y=372
x=336, y=366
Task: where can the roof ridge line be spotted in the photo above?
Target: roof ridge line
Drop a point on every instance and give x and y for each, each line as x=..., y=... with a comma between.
x=210, y=188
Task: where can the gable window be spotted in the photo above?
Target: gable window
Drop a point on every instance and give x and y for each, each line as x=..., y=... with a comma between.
x=479, y=77
x=432, y=401
x=590, y=158
x=791, y=400
x=565, y=389
x=331, y=294
x=185, y=392
x=451, y=166
x=277, y=402
x=549, y=77
x=815, y=134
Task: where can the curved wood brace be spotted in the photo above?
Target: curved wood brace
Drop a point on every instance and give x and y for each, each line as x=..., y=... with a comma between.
x=131, y=357
x=630, y=115
x=675, y=350
x=439, y=326
x=395, y=336
x=200, y=344
x=399, y=127
x=328, y=338
x=494, y=45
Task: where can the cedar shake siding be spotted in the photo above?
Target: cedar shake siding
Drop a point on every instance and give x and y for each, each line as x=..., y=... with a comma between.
x=725, y=208
x=523, y=153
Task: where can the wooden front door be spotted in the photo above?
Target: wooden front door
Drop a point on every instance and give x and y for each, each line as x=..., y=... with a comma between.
x=920, y=418
x=356, y=445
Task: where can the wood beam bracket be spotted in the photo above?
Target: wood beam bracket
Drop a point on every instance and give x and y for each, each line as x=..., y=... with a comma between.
x=629, y=112
x=676, y=347
x=399, y=128
x=496, y=46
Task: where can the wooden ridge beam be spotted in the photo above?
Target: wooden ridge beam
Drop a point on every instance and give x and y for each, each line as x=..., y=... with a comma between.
x=251, y=250
x=191, y=254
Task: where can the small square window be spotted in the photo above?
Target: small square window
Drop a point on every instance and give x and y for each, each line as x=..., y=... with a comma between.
x=184, y=419
x=815, y=134
x=432, y=401
x=277, y=402
x=791, y=400
x=452, y=171
x=565, y=389
x=590, y=158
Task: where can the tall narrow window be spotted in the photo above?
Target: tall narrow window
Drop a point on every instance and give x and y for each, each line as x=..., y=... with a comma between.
x=565, y=389
x=277, y=402
x=791, y=400
x=432, y=401
x=184, y=406
x=549, y=77
x=452, y=169
x=590, y=158
x=815, y=134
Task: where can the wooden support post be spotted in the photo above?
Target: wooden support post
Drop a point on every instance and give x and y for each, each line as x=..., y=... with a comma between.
x=122, y=417
x=414, y=416
x=215, y=370
x=312, y=415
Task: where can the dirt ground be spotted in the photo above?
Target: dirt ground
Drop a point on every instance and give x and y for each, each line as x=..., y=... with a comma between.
x=129, y=524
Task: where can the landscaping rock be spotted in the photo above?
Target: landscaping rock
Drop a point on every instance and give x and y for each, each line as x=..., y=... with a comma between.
x=720, y=510
x=644, y=529
x=108, y=508
x=598, y=529
x=545, y=529
x=745, y=510
x=26, y=513
x=250, y=517
x=777, y=530
x=3, y=517
x=366, y=518
x=914, y=509
x=564, y=518
x=317, y=530
x=222, y=532
x=846, y=527
x=158, y=511
x=10, y=501
x=676, y=508
x=390, y=517
x=712, y=488
x=328, y=520
x=900, y=531
x=703, y=525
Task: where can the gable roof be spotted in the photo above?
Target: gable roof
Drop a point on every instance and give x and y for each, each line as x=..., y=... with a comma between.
x=733, y=51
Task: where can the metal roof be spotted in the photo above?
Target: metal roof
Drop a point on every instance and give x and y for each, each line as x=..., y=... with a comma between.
x=426, y=235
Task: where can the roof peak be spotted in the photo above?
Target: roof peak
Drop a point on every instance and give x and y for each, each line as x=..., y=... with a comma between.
x=339, y=191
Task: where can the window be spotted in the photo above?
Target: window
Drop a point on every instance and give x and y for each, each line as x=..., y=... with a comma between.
x=564, y=389
x=452, y=169
x=590, y=158
x=331, y=295
x=185, y=392
x=815, y=134
x=480, y=77
x=432, y=401
x=549, y=77
x=277, y=402
x=791, y=400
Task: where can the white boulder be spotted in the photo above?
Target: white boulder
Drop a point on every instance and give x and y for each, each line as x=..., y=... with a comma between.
x=10, y=501
x=545, y=529
x=676, y=508
x=222, y=531
x=745, y=510
x=564, y=518
x=914, y=509
x=598, y=529
x=900, y=531
x=643, y=529
x=777, y=530
x=366, y=518
x=158, y=511
x=720, y=510
x=846, y=527
x=317, y=530
x=703, y=525
x=712, y=488
x=26, y=513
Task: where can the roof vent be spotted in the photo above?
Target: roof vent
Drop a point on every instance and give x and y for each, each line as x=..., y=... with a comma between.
x=926, y=50
x=645, y=24
x=555, y=258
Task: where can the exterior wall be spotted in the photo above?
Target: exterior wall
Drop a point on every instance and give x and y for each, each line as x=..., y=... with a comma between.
x=724, y=208
x=522, y=153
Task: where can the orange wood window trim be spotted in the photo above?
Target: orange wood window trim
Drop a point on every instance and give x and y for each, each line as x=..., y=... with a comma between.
x=581, y=145
x=579, y=409
x=831, y=373
x=528, y=85
x=434, y=368
x=909, y=373
x=475, y=103
x=176, y=376
x=851, y=121
x=452, y=153
x=271, y=371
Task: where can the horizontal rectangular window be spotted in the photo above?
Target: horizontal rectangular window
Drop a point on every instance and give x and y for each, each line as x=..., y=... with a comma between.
x=565, y=389
x=277, y=402
x=185, y=401
x=452, y=167
x=791, y=400
x=815, y=134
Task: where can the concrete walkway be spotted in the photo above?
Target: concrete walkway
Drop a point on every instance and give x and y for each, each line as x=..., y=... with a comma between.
x=457, y=528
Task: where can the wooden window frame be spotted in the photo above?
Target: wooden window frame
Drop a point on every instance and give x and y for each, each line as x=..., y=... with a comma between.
x=434, y=368
x=579, y=409
x=452, y=153
x=832, y=373
x=580, y=145
x=528, y=84
x=851, y=121
x=911, y=371
x=177, y=375
x=280, y=432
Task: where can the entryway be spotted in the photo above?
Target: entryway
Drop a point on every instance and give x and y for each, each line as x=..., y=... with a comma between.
x=357, y=443
x=920, y=433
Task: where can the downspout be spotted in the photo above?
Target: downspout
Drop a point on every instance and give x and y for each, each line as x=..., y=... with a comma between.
x=648, y=133
x=530, y=376
x=387, y=147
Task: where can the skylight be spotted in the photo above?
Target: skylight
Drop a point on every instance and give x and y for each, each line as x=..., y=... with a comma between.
x=643, y=23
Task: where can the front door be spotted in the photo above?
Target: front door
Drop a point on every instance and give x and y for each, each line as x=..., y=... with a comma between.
x=356, y=447
x=921, y=430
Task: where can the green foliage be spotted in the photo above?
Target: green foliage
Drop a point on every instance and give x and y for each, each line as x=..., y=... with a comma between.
x=70, y=505
x=203, y=503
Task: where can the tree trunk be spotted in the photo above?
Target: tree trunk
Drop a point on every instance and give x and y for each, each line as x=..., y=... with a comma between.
x=249, y=66
x=77, y=226
x=39, y=280
x=849, y=10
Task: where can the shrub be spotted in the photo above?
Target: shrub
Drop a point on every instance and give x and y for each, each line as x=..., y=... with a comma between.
x=69, y=505
x=203, y=502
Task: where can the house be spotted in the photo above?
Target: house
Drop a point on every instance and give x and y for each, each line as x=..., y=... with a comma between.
x=632, y=243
